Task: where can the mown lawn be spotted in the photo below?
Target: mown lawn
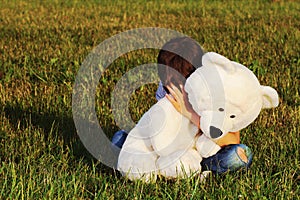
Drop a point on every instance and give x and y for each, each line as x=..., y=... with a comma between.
x=42, y=45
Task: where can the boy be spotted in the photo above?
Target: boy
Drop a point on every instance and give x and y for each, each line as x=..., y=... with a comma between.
x=232, y=156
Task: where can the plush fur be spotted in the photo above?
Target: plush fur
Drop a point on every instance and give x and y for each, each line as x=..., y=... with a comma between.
x=226, y=95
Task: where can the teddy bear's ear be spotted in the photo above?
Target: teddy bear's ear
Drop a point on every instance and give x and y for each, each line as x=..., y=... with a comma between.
x=270, y=97
x=211, y=58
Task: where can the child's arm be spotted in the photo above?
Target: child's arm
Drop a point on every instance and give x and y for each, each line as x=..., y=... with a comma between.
x=182, y=105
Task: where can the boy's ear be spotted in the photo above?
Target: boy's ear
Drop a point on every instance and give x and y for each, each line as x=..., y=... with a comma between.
x=212, y=58
x=270, y=97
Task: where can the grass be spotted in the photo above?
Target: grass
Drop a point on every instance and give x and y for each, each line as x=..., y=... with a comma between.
x=42, y=45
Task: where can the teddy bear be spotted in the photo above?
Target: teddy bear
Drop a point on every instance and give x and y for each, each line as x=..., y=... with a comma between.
x=227, y=96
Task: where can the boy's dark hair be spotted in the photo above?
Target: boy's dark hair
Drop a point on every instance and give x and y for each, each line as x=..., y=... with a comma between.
x=179, y=68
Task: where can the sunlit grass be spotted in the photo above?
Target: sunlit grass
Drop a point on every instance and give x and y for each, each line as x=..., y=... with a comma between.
x=42, y=45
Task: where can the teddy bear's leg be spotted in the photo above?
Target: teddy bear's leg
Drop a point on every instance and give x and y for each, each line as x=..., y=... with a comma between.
x=138, y=166
x=137, y=160
x=179, y=164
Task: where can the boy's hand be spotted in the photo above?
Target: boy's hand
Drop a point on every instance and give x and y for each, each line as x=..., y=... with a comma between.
x=180, y=102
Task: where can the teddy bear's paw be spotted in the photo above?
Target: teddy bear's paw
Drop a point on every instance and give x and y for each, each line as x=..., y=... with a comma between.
x=206, y=147
x=204, y=176
x=145, y=177
x=182, y=163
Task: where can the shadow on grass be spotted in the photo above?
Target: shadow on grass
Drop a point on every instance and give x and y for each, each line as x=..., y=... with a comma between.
x=55, y=126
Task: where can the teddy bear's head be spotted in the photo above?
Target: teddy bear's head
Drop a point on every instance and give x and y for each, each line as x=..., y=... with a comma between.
x=227, y=95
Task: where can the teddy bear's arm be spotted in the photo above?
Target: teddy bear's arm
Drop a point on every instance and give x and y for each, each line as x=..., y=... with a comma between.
x=179, y=100
x=206, y=147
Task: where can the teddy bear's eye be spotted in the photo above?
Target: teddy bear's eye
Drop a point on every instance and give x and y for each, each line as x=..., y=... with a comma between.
x=232, y=116
x=221, y=109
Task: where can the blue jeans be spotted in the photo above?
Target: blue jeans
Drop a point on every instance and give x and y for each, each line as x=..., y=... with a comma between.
x=225, y=160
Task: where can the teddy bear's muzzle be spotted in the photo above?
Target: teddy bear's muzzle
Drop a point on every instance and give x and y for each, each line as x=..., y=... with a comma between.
x=215, y=132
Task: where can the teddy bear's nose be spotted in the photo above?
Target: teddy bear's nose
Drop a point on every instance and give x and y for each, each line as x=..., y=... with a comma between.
x=215, y=132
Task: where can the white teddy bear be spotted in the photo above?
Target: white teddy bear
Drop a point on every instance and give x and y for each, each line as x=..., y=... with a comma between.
x=226, y=95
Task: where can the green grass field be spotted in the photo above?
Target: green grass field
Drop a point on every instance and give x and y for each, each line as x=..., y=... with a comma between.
x=42, y=46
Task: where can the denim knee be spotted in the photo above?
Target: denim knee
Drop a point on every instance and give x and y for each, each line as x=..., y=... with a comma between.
x=227, y=159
